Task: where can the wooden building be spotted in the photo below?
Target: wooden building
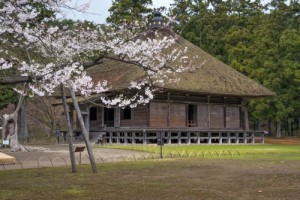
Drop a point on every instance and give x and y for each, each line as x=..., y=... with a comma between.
x=206, y=105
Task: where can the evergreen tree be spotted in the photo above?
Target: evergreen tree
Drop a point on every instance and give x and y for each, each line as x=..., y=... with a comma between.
x=128, y=11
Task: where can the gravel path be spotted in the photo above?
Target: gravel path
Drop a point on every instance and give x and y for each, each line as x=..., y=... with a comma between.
x=58, y=155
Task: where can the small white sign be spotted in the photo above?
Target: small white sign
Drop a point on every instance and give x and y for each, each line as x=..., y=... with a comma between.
x=6, y=142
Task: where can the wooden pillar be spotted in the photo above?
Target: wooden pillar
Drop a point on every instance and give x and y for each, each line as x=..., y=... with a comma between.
x=245, y=137
x=169, y=138
x=133, y=138
x=118, y=137
x=102, y=117
x=209, y=137
x=229, y=139
x=246, y=117
x=220, y=138
x=169, y=107
x=189, y=137
x=117, y=117
x=110, y=137
x=144, y=137
x=198, y=138
x=208, y=109
x=125, y=137
x=179, y=137
x=237, y=136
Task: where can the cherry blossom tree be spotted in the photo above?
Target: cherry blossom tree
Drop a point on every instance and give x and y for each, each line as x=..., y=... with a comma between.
x=57, y=55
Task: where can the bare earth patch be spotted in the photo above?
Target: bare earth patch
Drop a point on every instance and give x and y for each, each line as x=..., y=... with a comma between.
x=284, y=140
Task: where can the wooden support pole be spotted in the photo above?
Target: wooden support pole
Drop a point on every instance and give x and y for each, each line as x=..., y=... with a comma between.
x=169, y=138
x=133, y=138
x=209, y=137
x=220, y=138
x=110, y=137
x=252, y=138
x=189, y=137
x=245, y=137
x=118, y=137
x=237, y=140
x=144, y=137
x=198, y=138
x=246, y=117
x=228, y=138
x=179, y=137
x=125, y=138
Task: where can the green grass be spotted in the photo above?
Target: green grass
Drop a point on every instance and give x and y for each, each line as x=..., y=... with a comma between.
x=158, y=179
x=285, y=152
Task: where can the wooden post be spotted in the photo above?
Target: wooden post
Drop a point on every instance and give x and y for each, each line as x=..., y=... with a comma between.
x=144, y=137
x=110, y=137
x=118, y=137
x=133, y=138
x=228, y=137
x=220, y=138
x=125, y=137
x=169, y=138
x=117, y=121
x=245, y=137
x=237, y=140
x=189, y=137
x=246, y=117
x=209, y=137
x=179, y=137
x=198, y=138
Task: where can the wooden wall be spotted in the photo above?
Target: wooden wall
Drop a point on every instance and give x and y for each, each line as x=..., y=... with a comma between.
x=170, y=114
x=140, y=116
x=158, y=114
x=177, y=118
x=233, y=117
x=203, y=114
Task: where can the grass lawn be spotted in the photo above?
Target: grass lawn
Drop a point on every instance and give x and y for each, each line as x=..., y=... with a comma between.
x=267, y=151
x=188, y=178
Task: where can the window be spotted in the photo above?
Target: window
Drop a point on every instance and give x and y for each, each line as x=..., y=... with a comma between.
x=126, y=113
x=93, y=114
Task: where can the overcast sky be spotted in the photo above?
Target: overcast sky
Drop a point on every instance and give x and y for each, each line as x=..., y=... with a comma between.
x=99, y=8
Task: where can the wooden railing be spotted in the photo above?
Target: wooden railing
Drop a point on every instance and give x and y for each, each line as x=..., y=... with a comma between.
x=180, y=136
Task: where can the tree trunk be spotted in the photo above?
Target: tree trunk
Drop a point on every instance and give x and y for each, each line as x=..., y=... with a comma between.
x=10, y=126
x=290, y=126
x=278, y=129
x=269, y=127
x=84, y=132
x=70, y=130
x=22, y=124
x=10, y=129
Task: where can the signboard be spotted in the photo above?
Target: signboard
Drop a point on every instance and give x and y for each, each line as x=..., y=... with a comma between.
x=79, y=149
x=6, y=142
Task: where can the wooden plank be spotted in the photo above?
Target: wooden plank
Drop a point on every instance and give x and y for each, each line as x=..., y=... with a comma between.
x=233, y=117
x=177, y=115
x=158, y=114
x=203, y=116
x=216, y=116
x=139, y=117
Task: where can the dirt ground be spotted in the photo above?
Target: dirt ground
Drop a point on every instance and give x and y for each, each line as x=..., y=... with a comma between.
x=58, y=155
x=284, y=140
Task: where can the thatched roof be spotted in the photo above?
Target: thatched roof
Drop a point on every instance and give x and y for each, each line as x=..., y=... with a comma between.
x=212, y=78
